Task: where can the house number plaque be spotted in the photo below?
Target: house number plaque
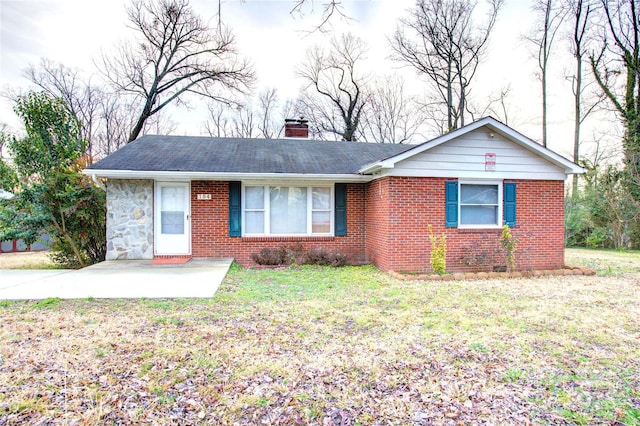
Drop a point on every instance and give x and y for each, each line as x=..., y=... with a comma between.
x=204, y=196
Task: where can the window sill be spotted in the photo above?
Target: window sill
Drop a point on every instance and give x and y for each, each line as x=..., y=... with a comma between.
x=470, y=230
x=288, y=238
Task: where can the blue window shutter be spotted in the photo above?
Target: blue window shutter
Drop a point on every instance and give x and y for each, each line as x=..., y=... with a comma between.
x=451, y=196
x=340, y=224
x=509, y=195
x=235, y=209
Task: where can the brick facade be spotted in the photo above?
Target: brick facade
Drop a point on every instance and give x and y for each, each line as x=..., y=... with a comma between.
x=387, y=224
x=210, y=232
x=400, y=209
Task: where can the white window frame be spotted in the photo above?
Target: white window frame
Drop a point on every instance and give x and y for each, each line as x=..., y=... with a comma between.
x=310, y=209
x=500, y=204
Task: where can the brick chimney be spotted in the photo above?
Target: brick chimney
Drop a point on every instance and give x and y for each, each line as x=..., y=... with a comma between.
x=296, y=128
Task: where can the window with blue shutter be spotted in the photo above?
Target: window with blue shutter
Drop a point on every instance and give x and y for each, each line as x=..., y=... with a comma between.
x=340, y=225
x=235, y=209
x=451, y=197
x=509, y=195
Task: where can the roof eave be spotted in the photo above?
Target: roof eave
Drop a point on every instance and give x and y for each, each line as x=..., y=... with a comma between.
x=180, y=175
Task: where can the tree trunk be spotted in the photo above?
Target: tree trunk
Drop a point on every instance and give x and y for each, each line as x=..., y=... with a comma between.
x=544, y=106
x=577, y=111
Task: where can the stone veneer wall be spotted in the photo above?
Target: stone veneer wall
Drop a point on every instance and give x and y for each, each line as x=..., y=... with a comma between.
x=129, y=219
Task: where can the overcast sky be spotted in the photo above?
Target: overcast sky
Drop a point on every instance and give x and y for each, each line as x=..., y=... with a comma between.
x=74, y=32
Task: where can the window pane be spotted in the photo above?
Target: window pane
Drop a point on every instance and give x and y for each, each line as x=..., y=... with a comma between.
x=254, y=197
x=172, y=209
x=172, y=198
x=171, y=222
x=254, y=222
x=288, y=213
x=321, y=198
x=321, y=222
x=478, y=215
x=478, y=194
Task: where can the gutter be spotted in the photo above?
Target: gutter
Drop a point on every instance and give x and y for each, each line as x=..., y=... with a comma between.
x=97, y=182
x=180, y=175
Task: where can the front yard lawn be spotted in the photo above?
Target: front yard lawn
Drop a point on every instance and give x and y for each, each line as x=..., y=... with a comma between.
x=331, y=346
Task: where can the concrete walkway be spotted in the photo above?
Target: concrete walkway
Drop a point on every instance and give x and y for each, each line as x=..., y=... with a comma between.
x=116, y=280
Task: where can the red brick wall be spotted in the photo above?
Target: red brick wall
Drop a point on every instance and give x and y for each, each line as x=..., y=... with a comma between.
x=400, y=209
x=210, y=229
x=387, y=224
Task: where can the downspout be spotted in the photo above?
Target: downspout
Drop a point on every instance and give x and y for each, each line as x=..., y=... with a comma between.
x=98, y=183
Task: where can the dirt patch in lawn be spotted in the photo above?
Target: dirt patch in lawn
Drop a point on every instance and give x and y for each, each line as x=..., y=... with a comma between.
x=26, y=260
x=331, y=347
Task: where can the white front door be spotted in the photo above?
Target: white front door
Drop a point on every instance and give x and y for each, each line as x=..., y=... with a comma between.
x=172, y=214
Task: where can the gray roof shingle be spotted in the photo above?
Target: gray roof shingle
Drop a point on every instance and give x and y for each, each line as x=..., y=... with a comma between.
x=236, y=155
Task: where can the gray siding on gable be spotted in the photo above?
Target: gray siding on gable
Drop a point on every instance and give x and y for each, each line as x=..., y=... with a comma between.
x=464, y=157
x=129, y=219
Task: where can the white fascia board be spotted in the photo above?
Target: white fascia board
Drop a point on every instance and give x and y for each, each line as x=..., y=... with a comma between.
x=183, y=176
x=559, y=175
x=568, y=166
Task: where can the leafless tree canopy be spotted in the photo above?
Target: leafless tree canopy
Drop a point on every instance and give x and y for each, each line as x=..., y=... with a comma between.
x=104, y=116
x=336, y=93
x=330, y=9
x=619, y=55
x=550, y=17
x=580, y=14
x=440, y=40
x=391, y=115
x=176, y=54
x=261, y=118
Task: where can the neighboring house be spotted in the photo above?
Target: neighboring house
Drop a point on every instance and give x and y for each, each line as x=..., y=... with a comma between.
x=227, y=197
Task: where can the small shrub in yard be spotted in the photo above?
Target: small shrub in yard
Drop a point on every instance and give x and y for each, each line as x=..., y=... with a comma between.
x=438, y=257
x=482, y=253
x=268, y=256
x=509, y=244
x=319, y=256
x=296, y=254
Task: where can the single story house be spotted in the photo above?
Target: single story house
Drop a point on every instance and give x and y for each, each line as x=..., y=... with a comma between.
x=171, y=196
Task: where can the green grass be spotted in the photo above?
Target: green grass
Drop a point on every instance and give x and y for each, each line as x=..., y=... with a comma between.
x=315, y=344
x=605, y=262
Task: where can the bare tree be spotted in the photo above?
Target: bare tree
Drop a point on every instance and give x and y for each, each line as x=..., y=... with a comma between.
x=330, y=9
x=550, y=18
x=176, y=55
x=231, y=122
x=338, y=96
x=499, y=106
x=580, y=13
x=391, y=116
x=619, y=55
x=263, y=117
x=80, y=96
x=272, y=114
x=440, y=40
x=104, y=116
x=217, y=124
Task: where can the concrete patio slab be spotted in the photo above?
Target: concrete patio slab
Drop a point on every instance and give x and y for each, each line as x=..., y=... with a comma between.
x=117, y=279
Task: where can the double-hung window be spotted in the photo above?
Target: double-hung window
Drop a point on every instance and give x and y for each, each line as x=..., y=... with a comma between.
x=288, y=210
x=480, y=204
